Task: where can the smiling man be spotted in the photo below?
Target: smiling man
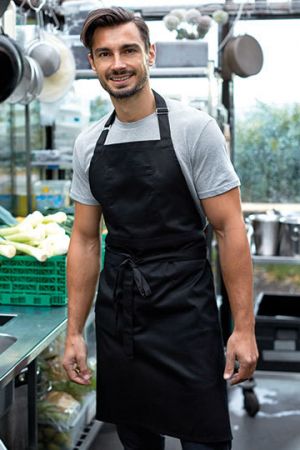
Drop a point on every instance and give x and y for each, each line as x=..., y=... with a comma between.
x=157, y=170
x=122, y=69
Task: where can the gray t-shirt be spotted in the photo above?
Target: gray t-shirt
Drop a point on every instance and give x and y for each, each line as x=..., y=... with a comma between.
x=198, y=143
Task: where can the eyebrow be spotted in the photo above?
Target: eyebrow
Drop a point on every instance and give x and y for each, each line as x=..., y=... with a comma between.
x=123, y=47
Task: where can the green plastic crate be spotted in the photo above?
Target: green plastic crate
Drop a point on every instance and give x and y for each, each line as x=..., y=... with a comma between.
x=103, y=237
x=26, y=281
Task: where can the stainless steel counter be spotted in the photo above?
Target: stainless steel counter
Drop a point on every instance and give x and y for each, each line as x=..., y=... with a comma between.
x=34, y=328
x=29, y=331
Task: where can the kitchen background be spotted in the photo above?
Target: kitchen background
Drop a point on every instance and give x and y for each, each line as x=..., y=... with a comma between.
x=259, y=114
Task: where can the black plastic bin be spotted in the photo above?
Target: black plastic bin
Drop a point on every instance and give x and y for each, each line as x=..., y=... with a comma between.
x=278, y=332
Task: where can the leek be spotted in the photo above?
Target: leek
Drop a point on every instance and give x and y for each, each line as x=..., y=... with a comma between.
x=9, y=251
x=20, y=228
x=33, y=219
x=55, y=246
x=58, y=217
x=53, y=229
x=37, y=253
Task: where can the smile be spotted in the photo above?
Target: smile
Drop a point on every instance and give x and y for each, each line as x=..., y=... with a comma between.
x=120, y=78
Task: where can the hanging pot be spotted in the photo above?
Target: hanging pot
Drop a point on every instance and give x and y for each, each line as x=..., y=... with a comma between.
x=290, y=235
x=58, y=84
x=30, y=85
x=41, y=49
x=242, y=56
x=12, y=66
x=265, y=233
x=46, y=55
x=3, y=6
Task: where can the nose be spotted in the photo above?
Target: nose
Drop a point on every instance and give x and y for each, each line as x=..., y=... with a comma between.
x=118, y=62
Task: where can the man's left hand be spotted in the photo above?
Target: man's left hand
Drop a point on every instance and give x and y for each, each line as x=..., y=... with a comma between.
x=241, y=353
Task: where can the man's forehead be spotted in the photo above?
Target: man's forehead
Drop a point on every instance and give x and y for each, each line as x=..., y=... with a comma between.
x=127, y=32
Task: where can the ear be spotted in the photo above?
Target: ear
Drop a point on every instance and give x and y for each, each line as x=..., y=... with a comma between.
x=151, y=55
x=91, y=61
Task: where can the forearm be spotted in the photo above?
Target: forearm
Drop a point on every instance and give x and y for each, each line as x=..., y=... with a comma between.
x=236, y=268
x=82, y=275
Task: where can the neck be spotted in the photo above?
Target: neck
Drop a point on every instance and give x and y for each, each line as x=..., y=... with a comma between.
x=135, y=108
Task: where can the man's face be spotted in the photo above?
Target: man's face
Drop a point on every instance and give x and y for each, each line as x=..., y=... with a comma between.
x=120, y=59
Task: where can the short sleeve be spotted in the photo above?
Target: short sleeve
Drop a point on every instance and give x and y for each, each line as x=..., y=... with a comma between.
x=80, y=187
x=213, y=172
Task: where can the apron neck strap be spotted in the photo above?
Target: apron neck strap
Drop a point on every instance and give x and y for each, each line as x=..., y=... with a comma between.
x=162, y=116
x=106, y=128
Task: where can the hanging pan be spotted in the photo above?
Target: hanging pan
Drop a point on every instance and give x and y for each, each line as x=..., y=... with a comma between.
x=12, y=66
x=30, y=85
x=242, y=56
x=3, y=6
x=41, y=49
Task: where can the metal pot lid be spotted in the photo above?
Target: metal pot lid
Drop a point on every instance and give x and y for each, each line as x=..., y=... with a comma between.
x=290, y=220
x=264, y=217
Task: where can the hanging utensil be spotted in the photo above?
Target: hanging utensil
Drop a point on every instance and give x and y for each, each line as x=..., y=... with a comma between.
x=242, y=56
x=58, y=84
x=30, y=85
x=12, y=65
x=42, y=51
x=3, y=6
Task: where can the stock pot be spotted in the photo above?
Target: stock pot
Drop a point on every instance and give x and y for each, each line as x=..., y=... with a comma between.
x=265, y=233
x=290, y=236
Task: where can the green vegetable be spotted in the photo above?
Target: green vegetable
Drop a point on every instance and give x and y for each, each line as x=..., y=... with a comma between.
x=37, y=235
x=7, y=250
x=37, y=253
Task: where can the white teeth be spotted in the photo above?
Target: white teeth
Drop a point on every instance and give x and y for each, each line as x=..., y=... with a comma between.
x=120, y=78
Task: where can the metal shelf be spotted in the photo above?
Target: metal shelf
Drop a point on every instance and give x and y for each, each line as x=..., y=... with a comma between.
x=161, y=72
x=52, y=164
x=276, y=259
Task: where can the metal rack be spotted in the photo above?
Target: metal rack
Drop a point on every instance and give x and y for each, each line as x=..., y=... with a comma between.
x=276, y=259
x=159, y=72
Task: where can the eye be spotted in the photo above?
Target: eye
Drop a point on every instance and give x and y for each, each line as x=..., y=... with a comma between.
x=130, y=50
x=103, y=54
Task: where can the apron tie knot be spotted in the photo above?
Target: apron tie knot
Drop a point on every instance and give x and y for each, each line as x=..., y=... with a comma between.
x=123, y=298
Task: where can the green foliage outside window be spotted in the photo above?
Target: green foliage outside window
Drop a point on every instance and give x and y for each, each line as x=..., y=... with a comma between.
x=267, y=153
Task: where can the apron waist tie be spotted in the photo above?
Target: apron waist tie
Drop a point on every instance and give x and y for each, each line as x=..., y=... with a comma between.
x=124, y=299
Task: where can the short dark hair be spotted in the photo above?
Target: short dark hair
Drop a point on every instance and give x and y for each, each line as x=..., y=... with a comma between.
x=107, y=17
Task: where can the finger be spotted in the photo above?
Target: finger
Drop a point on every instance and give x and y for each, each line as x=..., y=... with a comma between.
x=75, y=374
x=82, y=368
x=244, y=372
x=229, y=367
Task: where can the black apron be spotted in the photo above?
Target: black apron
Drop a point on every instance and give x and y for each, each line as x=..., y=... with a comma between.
x=159, y=346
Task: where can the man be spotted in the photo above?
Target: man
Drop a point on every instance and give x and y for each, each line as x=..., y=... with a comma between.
x=155, y=170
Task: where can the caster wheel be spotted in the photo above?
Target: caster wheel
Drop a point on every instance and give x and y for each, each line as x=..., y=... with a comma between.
x=251, y=403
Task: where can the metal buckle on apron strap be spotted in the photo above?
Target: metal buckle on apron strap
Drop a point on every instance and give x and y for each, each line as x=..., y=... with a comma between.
x=123, y=297
x=162, y=110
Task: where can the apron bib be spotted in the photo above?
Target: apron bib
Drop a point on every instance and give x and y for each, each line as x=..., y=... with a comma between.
x=160, y=356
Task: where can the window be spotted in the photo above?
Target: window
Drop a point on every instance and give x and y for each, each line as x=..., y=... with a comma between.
x=267, y=116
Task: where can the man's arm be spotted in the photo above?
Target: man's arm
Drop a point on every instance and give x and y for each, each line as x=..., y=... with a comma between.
x=225, y=215
x=82, y=274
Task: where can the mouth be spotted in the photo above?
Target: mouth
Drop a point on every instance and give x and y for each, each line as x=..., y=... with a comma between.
x=120, y=79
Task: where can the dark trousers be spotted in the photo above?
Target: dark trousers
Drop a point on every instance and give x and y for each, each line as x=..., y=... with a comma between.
x=137, y=438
